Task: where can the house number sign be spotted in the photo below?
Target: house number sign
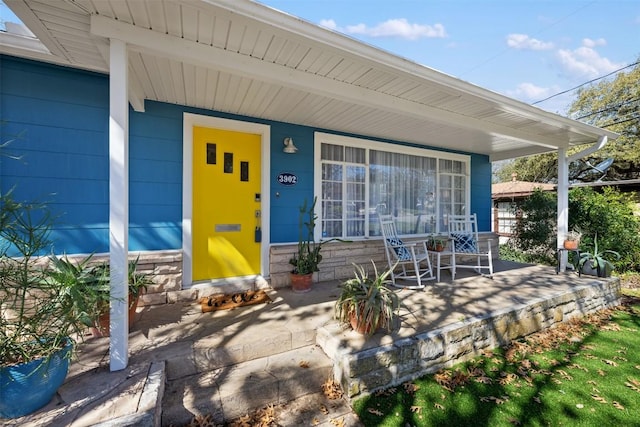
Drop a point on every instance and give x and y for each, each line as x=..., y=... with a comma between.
x=287, y=178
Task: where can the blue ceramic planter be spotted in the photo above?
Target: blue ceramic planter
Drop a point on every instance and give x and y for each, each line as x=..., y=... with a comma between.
x=28, y=387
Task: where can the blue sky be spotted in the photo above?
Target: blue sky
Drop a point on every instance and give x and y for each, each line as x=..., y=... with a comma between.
x=525, y=49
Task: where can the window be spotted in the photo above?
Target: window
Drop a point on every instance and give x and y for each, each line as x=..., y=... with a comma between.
x=360, y=180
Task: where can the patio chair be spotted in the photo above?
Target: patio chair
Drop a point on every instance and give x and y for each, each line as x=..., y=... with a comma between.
x=407, y=261
x=463, y=231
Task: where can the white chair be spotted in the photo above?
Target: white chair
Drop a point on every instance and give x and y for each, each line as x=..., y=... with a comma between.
x=463, y=232
x=407, y=261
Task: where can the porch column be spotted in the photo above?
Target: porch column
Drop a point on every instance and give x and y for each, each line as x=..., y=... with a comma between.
x=118, y=204
x=563, y=203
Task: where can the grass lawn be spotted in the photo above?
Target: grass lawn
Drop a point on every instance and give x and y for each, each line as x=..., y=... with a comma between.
x=582, y=373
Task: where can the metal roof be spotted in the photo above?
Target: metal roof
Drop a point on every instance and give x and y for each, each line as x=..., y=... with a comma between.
x=241, y=57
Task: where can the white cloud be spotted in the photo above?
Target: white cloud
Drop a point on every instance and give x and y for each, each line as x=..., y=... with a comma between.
x=531, y=92
x=585, y=61
x=391, y=28
x=329, y=23
x=594, y=43
x=523, y=41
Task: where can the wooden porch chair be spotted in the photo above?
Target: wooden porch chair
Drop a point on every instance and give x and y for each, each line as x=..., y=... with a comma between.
x=463, y=232
x=407, y=261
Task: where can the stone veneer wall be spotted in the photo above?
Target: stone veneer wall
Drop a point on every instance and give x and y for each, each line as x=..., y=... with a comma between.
x=338, y=258
x=364, y=372
x=337, y=264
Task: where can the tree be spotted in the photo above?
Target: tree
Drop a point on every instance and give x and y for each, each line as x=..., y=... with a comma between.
x=609, y=104
x=614, y=105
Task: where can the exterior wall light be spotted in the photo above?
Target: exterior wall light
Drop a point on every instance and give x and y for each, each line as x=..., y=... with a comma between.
x=289, y=148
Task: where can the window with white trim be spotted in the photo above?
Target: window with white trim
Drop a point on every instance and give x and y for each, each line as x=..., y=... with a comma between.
x=358, y=183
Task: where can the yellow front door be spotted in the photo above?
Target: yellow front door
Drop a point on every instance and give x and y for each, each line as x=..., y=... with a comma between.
x=226, y=218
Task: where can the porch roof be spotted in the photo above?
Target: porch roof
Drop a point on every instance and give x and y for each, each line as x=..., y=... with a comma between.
x=241, y=57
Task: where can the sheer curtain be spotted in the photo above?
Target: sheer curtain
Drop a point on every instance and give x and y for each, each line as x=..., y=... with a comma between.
x=404, y=186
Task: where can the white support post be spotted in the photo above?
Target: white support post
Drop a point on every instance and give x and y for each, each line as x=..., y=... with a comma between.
x=563, y=203
x=118, y=204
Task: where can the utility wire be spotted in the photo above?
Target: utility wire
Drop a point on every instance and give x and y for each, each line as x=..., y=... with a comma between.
x=604, y=110
x=586, y=83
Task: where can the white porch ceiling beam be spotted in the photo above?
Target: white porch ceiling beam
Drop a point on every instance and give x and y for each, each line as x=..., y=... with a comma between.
x=151, y=42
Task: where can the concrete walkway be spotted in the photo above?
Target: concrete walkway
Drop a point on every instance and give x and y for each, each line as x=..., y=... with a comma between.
x=184, y=362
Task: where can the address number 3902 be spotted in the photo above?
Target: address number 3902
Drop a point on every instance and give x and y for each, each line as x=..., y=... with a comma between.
x=287, y=178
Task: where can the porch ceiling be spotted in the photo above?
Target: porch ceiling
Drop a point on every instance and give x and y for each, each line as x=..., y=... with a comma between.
x=241, y=57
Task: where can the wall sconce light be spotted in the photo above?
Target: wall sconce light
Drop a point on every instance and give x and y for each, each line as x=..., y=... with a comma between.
x=289, y=148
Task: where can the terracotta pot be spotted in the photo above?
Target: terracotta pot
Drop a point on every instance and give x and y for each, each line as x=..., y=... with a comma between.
x=102, y=327
x=301, y=282
x=571, y=245
x=439, y=247
x=362, y=328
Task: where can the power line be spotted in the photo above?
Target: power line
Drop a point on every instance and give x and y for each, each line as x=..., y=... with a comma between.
x=585, y=83
x=604, y=110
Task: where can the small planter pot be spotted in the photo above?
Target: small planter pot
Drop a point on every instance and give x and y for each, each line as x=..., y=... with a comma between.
x=301, y=283
x=590, y=271
x=27, y=387
x=571, y=245
x=102, y=328
x=438, y=247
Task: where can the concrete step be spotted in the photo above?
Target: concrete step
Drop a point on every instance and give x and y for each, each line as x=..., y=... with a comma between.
x=232, y=391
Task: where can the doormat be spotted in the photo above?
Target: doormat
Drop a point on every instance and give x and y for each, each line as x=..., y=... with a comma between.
x=230, y=301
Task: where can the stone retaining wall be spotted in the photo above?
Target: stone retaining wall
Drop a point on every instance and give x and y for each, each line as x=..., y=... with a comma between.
x=364, y=372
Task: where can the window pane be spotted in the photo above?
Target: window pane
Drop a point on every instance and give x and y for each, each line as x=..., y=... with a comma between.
x=355, y=155
x=331, y=172
x=332, y=152
x=403, y=185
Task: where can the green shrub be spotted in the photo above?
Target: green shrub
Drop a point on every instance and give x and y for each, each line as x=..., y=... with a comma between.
x=609, y=214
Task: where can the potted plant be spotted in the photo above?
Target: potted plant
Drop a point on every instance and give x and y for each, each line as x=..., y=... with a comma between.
x=307, y=257
x=572, y=240
x=594, y=263
x=435, y=243
x=137, y=282
x=366, y=303
x=39, y=315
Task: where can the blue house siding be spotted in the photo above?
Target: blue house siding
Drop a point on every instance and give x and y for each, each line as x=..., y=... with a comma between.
x=62, y=116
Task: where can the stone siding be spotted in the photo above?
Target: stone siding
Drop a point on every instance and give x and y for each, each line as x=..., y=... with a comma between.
x=338, y=258
x=362, y=372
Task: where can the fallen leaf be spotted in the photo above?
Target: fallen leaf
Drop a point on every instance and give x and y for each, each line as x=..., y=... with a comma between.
x=303, y=364
x=374, y=412
x=610, y=362
x=514, y=421
x=410, y=388
x=324, y=410
x=579, y=405
x=338, y=422
x=315, y=422
x=332, y=389
x=416, y=409
x=438, y=406
x=618, y=406
x=598, y=398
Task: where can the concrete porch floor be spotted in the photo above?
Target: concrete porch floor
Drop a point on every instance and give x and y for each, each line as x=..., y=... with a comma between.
x=184, y=362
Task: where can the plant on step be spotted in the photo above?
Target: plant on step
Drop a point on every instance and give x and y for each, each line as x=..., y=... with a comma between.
x=367, y=302
x=596, y=259
x=40, y=314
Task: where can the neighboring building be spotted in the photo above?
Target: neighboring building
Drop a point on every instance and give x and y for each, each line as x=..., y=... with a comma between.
x=505, y=195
